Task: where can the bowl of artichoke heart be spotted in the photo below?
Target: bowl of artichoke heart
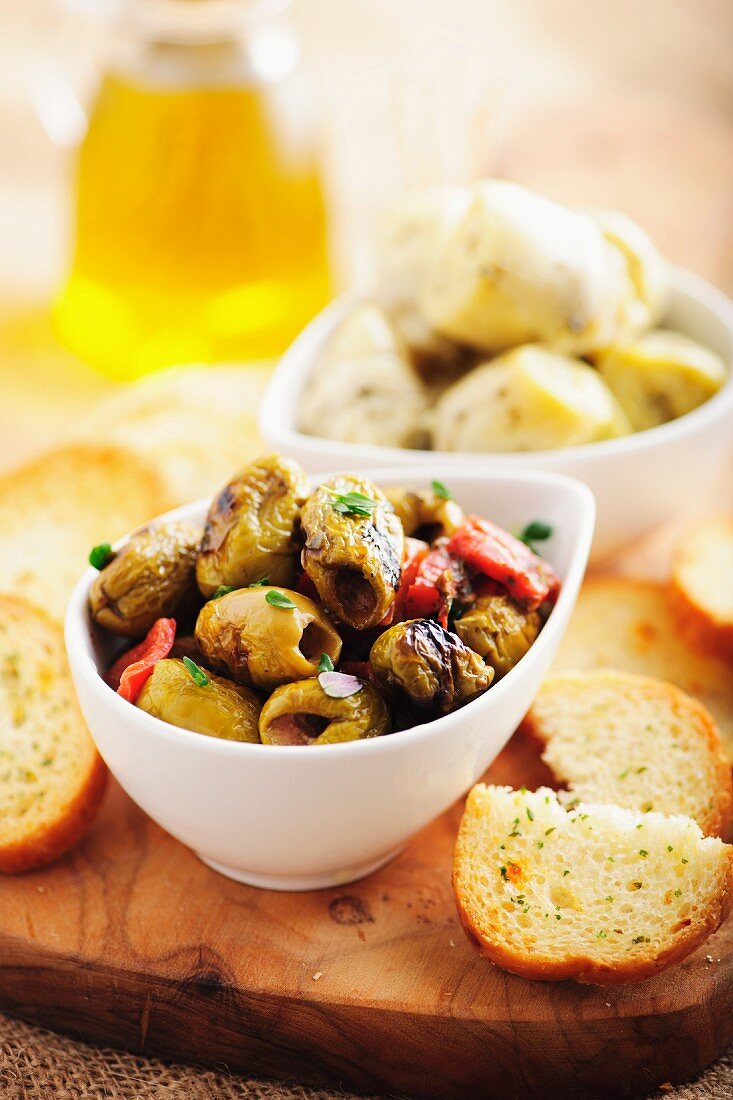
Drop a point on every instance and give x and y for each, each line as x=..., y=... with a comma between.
x=295, y=677
x=523, y=333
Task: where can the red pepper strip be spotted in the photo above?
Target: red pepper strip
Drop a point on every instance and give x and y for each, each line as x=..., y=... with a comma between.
x=501, y=556
x=429, y=586
x=134, y=667
x=415, y=551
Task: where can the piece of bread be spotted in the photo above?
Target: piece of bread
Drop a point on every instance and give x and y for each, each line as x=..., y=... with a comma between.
x=598, y=893
x=193, y=425
x=54, y=509
x=51, y=776
x=702, y=585
x=633, y=741
x=631, y=626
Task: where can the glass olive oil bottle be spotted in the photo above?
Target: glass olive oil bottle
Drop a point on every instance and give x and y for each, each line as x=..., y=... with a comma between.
x=200, y=218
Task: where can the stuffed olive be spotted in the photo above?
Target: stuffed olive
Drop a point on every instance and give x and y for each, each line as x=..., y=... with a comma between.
x=430, y=668
x=214, y=706
x=353, y=549
x=251, y=528
x=425, y=513
x=304, y=714
x=153, y=576
x=266, y=636
x=499, y=630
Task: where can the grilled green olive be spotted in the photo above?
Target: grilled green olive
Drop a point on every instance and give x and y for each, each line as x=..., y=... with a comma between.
x=217, y=708
x=152, y=576
x=303, y=714
x=247, y=636
x=250, y=531
x=425, y=514
x=428, y=666
x=499, y=630
x=353, y=549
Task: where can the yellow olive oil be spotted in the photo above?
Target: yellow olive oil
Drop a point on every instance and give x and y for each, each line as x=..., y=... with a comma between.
x=200, y=229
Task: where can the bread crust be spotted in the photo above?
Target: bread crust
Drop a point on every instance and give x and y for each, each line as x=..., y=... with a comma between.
x=58, y=836
x=584, y=970
x=719, y=820
x=631, y=624
x=702, y=629
x=581, y=968
x=710, y=632
x=53, y=837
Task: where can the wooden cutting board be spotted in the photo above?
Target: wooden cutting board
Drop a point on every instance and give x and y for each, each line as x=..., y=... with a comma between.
x=131, y=941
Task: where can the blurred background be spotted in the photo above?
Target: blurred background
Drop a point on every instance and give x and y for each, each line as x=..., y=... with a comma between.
x=191, y=180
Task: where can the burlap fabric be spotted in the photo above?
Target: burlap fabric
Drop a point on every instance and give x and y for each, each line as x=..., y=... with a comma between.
x=39, y=1065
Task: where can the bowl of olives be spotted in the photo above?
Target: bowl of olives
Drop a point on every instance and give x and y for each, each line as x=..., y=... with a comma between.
x=296, y=676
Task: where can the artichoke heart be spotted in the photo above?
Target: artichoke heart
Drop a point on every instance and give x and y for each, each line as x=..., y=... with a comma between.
x=529, y=399
x=251, y=528
x=219, y=708
x=247, y=637
x=499, y=630
x=353, y=557
x=660, y=376
x=303, y=714
x=152, y=576
x=428, y=666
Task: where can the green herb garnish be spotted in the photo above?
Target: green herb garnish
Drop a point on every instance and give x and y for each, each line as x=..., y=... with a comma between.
x=278, y=599
x=100, y=555
x=260, y=583
x=325, y=664
x=196, y=673
x=353, y=504
x=441, y=490
x=530, y=815
x=455, y=612
x=536, y=531
x=223, y=590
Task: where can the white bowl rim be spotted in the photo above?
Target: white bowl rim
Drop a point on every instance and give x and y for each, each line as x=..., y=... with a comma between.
x=79, y=643
x=289, y=371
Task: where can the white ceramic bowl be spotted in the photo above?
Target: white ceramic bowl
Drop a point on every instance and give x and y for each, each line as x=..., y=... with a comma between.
x=640, y=481
x=300, y=817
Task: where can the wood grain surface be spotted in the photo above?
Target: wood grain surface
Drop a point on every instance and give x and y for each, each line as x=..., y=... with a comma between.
x=132, y=942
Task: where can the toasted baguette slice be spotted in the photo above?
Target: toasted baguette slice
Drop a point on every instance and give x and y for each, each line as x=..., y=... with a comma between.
x=600, y=894
x=54, y=509
x=51, y=777
x=702, y=584
x=193, y=425
x=631, y=625
x=634, y=742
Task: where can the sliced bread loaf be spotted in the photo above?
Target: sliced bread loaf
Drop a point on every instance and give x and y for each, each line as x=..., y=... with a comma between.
x=702, y=584
x=599, y=893
x=54, y=509
x=51, y=777
x=631, y=625
x=633, y=741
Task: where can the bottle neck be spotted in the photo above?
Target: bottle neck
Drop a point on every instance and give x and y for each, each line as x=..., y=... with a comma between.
x=204, y=42
x=198, y=22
